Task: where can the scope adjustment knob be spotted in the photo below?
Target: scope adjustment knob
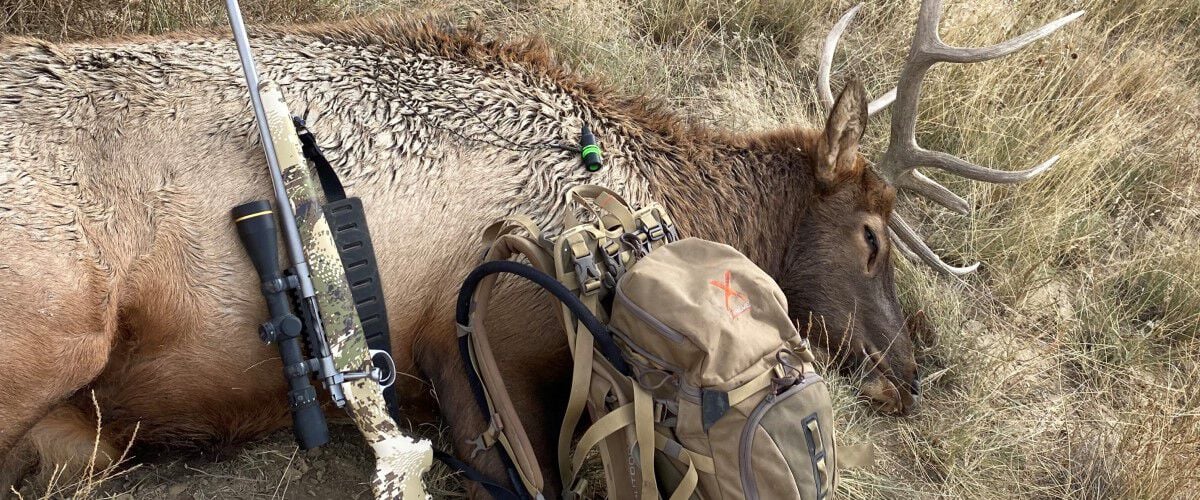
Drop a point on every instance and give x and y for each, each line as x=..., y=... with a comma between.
x=267, y=332
x=289, y=326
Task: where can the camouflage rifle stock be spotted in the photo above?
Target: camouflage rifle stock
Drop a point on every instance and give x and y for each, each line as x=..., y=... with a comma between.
x=329, y=319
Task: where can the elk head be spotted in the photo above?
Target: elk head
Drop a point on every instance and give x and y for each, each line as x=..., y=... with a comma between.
x=842, y=268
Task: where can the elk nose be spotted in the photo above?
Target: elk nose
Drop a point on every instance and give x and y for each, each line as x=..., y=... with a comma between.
x=914, y=405
x=913, y=401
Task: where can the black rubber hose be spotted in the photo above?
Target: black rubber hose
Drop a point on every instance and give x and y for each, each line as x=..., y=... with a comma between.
x=604, y=339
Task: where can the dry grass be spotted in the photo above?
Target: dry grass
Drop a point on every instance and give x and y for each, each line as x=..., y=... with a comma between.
x=1066, y=367
x=84, y=481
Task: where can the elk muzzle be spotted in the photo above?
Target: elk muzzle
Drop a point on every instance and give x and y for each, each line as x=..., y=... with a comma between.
x=891, y=382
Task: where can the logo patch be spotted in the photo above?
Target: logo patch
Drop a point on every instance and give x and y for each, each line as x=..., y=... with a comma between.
x=736, y=303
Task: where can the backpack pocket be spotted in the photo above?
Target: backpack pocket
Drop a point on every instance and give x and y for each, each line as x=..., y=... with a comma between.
x=790, y=435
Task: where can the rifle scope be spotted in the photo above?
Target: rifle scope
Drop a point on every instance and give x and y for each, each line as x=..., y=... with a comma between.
x=256, y=228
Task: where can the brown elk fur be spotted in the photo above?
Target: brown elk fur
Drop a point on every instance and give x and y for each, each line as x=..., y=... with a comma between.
x=121, y=274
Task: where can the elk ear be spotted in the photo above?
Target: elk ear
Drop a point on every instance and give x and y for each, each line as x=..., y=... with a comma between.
x=837, y=153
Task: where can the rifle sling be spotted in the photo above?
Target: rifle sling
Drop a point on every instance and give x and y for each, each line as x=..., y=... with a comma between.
x=330, y=183
x=348, y=223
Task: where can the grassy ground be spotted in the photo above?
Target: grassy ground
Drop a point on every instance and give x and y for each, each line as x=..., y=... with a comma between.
x=1067, y=366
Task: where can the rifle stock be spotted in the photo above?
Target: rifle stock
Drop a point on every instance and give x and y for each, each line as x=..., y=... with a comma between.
x=323, y=298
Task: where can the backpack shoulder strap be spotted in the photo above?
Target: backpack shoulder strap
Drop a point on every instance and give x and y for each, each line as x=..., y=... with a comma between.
x=505, y=425
x=609, y=207
x=510, y=226
x=586, y=258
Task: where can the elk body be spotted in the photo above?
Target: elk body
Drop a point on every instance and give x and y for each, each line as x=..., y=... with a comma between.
x=121, y=274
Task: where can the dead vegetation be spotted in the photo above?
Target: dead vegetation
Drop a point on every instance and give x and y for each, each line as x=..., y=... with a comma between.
x=1066, y=366
x=86, y=480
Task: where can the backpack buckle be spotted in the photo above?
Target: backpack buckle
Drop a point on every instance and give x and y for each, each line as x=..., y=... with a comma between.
x=576, y=491
x=656, y=232
x=610, y=252
x=643, y=240
x=638, y=242
x=487, y=439
x=588, y=274
x=672, y=233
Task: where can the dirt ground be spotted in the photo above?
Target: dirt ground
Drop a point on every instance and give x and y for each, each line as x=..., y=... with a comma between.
x=270, y=468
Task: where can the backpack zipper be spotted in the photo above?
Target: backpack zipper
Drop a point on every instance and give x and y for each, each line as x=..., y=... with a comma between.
x=749, y=485
x=644, y=353
x=647, y=318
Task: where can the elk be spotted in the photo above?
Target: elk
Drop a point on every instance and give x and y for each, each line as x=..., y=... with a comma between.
x=122, y=277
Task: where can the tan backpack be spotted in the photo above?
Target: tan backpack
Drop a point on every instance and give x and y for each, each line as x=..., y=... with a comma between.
x=685, y=358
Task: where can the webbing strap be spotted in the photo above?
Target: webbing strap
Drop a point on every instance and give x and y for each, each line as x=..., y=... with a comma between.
x=677, y=451
x=696, y=463
x=581, y=378
x=762, y=381
x=607, y=205
x=643, y=426
x=521, y=452
x=507, y=225
x=500, y=413
x=480, y=394
x=687, y=485
x=612, y=422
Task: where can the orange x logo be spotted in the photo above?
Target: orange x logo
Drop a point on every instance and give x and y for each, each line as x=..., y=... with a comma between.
x=730, y=293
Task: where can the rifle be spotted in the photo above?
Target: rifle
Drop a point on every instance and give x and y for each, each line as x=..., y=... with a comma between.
x=320, y=228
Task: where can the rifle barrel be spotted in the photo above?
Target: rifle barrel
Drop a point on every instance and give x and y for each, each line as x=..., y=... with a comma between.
x=291, y=235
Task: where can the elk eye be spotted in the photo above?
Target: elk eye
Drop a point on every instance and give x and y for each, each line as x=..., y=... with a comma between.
x=869, y=235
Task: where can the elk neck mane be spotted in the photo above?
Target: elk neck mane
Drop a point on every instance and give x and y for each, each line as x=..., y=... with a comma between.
x=745, y=189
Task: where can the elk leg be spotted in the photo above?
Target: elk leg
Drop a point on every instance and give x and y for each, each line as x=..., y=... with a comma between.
x=39, y=368
x=15, y=466
x=36, y=376
x=64, y=444
x=56, y=331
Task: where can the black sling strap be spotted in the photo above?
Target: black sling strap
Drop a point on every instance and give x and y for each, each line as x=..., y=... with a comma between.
x=347, y=221
x=330, y=183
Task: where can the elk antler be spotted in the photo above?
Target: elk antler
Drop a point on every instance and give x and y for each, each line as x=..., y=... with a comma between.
x=904, y=155
x=827, y=50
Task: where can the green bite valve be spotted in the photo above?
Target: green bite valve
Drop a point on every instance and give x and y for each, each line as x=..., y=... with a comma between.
x=590, y=152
